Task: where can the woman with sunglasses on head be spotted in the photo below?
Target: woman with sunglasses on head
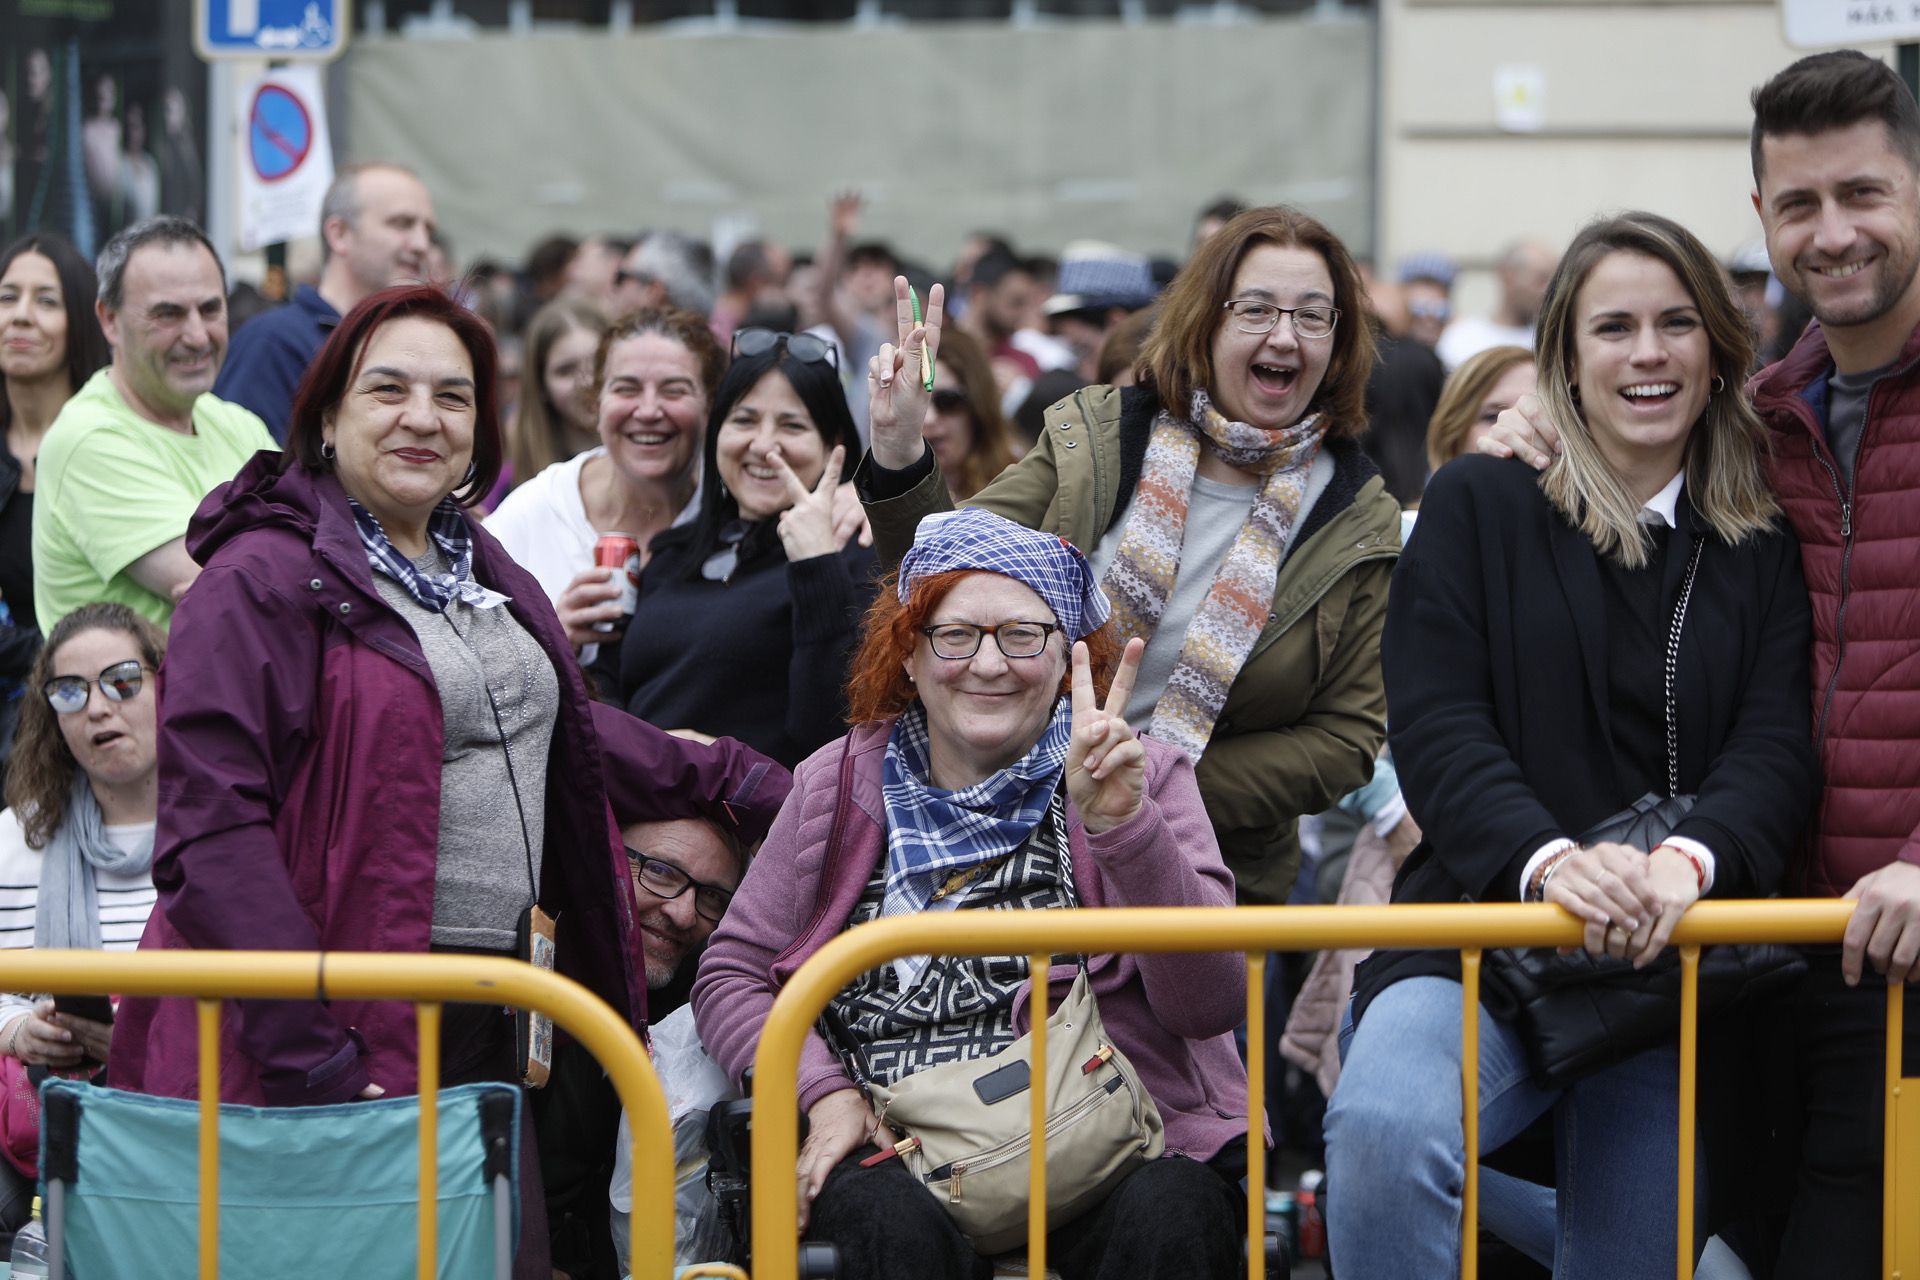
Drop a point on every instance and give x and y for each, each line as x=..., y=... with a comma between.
x=747, y=615
x=964, y=426
x=1229, y=511
x=50, y=344
x=76, y=843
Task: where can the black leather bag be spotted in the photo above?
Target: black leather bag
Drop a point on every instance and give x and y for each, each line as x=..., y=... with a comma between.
x=1579, y=1012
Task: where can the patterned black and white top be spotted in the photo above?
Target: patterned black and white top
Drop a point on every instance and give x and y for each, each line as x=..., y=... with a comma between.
x=962, y=1007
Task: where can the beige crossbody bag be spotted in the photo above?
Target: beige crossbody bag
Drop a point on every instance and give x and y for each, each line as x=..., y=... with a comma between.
x=966, y=1125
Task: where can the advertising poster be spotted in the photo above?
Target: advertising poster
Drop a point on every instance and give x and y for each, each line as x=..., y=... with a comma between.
x=102, y=116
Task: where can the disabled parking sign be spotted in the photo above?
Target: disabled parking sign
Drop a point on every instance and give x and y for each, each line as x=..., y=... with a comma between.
x=278, y=29
x=288, y=158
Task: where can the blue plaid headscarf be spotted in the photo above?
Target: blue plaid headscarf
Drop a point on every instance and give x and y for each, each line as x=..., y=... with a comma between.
x=974, y=539
x=447, y=527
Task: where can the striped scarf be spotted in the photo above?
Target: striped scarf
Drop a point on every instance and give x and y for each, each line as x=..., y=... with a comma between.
x=1140, y=579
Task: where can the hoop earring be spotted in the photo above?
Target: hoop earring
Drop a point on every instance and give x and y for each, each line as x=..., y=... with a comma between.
x=327, y=450
x=1573, y=393
x=1719, y=385
x=473, y=469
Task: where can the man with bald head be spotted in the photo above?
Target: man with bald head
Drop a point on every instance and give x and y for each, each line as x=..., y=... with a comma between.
x=1522, y=273
x=376, y=225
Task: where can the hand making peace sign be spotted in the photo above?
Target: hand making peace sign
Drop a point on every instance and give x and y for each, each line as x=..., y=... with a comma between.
x=897, y=379
x=807, y=527
x=1106, y=765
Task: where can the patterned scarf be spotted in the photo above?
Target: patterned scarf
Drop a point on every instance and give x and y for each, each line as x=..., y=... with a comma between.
x=932, y=833
x=447, y=527
x=1140, y=579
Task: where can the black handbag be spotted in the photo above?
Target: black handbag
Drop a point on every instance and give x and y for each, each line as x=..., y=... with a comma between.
x=1578, y=1012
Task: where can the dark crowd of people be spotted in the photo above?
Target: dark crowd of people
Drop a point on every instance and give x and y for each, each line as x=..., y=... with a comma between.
x=691, y=609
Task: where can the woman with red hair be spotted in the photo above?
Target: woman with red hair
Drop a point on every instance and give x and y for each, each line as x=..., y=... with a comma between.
x=990, y=768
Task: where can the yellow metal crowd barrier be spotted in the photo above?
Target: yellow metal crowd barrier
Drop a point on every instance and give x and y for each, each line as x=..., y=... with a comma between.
x=428, y=981
x=1257, y=930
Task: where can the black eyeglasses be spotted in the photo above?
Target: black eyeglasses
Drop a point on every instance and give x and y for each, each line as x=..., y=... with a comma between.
x=960, y=640
x=120, y=682
x=664, y=880
x=804, y=347
x=947, y=400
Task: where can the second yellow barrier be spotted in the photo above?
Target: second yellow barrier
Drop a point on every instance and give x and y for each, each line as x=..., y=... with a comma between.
x=1255, y=930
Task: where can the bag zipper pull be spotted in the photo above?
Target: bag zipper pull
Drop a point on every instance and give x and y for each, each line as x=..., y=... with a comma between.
x=953, y=1185
x=899, y=1148
x=1094, y=1063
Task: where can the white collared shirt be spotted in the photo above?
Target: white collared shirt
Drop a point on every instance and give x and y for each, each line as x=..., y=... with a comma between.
x=1661, y=510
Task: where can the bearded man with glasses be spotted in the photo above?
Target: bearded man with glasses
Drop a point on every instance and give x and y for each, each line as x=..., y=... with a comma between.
x=684, y=873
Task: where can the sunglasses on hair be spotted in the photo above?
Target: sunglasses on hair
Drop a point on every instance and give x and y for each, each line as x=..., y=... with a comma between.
x=803, y=347
x=947, y=400
x=120, y=682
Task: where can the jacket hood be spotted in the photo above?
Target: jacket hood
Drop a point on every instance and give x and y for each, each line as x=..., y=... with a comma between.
x=261, y=495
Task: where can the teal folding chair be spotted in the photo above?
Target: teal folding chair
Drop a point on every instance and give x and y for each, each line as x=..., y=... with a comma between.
x=304, y=1191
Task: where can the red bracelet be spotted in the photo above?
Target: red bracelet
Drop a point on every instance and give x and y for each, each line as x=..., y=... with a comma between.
x=1699, y=864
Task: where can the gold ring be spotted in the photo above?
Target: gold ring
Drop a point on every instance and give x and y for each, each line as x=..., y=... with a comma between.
x=1616, y=929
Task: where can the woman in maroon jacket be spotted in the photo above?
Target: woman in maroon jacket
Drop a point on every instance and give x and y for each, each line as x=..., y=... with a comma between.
x=374, y=736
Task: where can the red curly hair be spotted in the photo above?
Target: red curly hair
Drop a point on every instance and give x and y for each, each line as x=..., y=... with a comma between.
x=878, y=688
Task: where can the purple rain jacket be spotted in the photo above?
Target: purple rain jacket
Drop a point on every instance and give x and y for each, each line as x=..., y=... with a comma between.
x=1173, y=1015
x=299, y=782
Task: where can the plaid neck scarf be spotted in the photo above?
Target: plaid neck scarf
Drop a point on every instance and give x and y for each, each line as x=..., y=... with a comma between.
x=447, y=528
x=931, y=833
x=1140, y=579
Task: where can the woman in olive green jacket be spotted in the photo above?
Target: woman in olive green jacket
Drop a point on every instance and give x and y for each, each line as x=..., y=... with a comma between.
x=1230, y=513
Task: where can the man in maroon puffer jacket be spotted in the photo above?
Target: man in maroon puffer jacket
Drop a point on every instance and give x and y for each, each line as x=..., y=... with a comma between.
x=1836, y=163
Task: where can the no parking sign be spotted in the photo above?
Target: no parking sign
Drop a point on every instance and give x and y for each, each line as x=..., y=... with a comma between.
x=288, y=158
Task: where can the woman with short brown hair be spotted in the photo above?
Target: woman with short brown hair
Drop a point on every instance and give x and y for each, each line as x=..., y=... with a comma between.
x=1228, y=510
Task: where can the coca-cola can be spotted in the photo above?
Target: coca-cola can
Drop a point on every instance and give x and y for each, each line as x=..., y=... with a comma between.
x=620, y=551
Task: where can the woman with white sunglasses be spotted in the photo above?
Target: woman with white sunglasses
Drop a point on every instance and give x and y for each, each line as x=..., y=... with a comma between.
x=76, y=845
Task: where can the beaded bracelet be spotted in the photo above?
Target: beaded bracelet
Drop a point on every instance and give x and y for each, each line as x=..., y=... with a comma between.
x=1547, y=869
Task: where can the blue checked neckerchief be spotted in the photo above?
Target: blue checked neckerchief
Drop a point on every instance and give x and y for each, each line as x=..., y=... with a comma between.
x=931, y=834
x=447, y=527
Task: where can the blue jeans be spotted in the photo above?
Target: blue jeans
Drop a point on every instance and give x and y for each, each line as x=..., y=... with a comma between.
x=1396, y=1153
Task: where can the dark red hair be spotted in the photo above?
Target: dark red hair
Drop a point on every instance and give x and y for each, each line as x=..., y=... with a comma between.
x=325, y=383
x=878, y=688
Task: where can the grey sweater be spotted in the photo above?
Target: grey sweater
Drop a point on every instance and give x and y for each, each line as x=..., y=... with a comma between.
x=482, y=879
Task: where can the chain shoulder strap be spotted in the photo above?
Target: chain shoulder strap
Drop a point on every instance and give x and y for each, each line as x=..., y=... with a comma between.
x=1673, y=667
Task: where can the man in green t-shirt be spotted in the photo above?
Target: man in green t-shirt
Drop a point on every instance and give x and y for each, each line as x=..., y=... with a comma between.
x=133, y=453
